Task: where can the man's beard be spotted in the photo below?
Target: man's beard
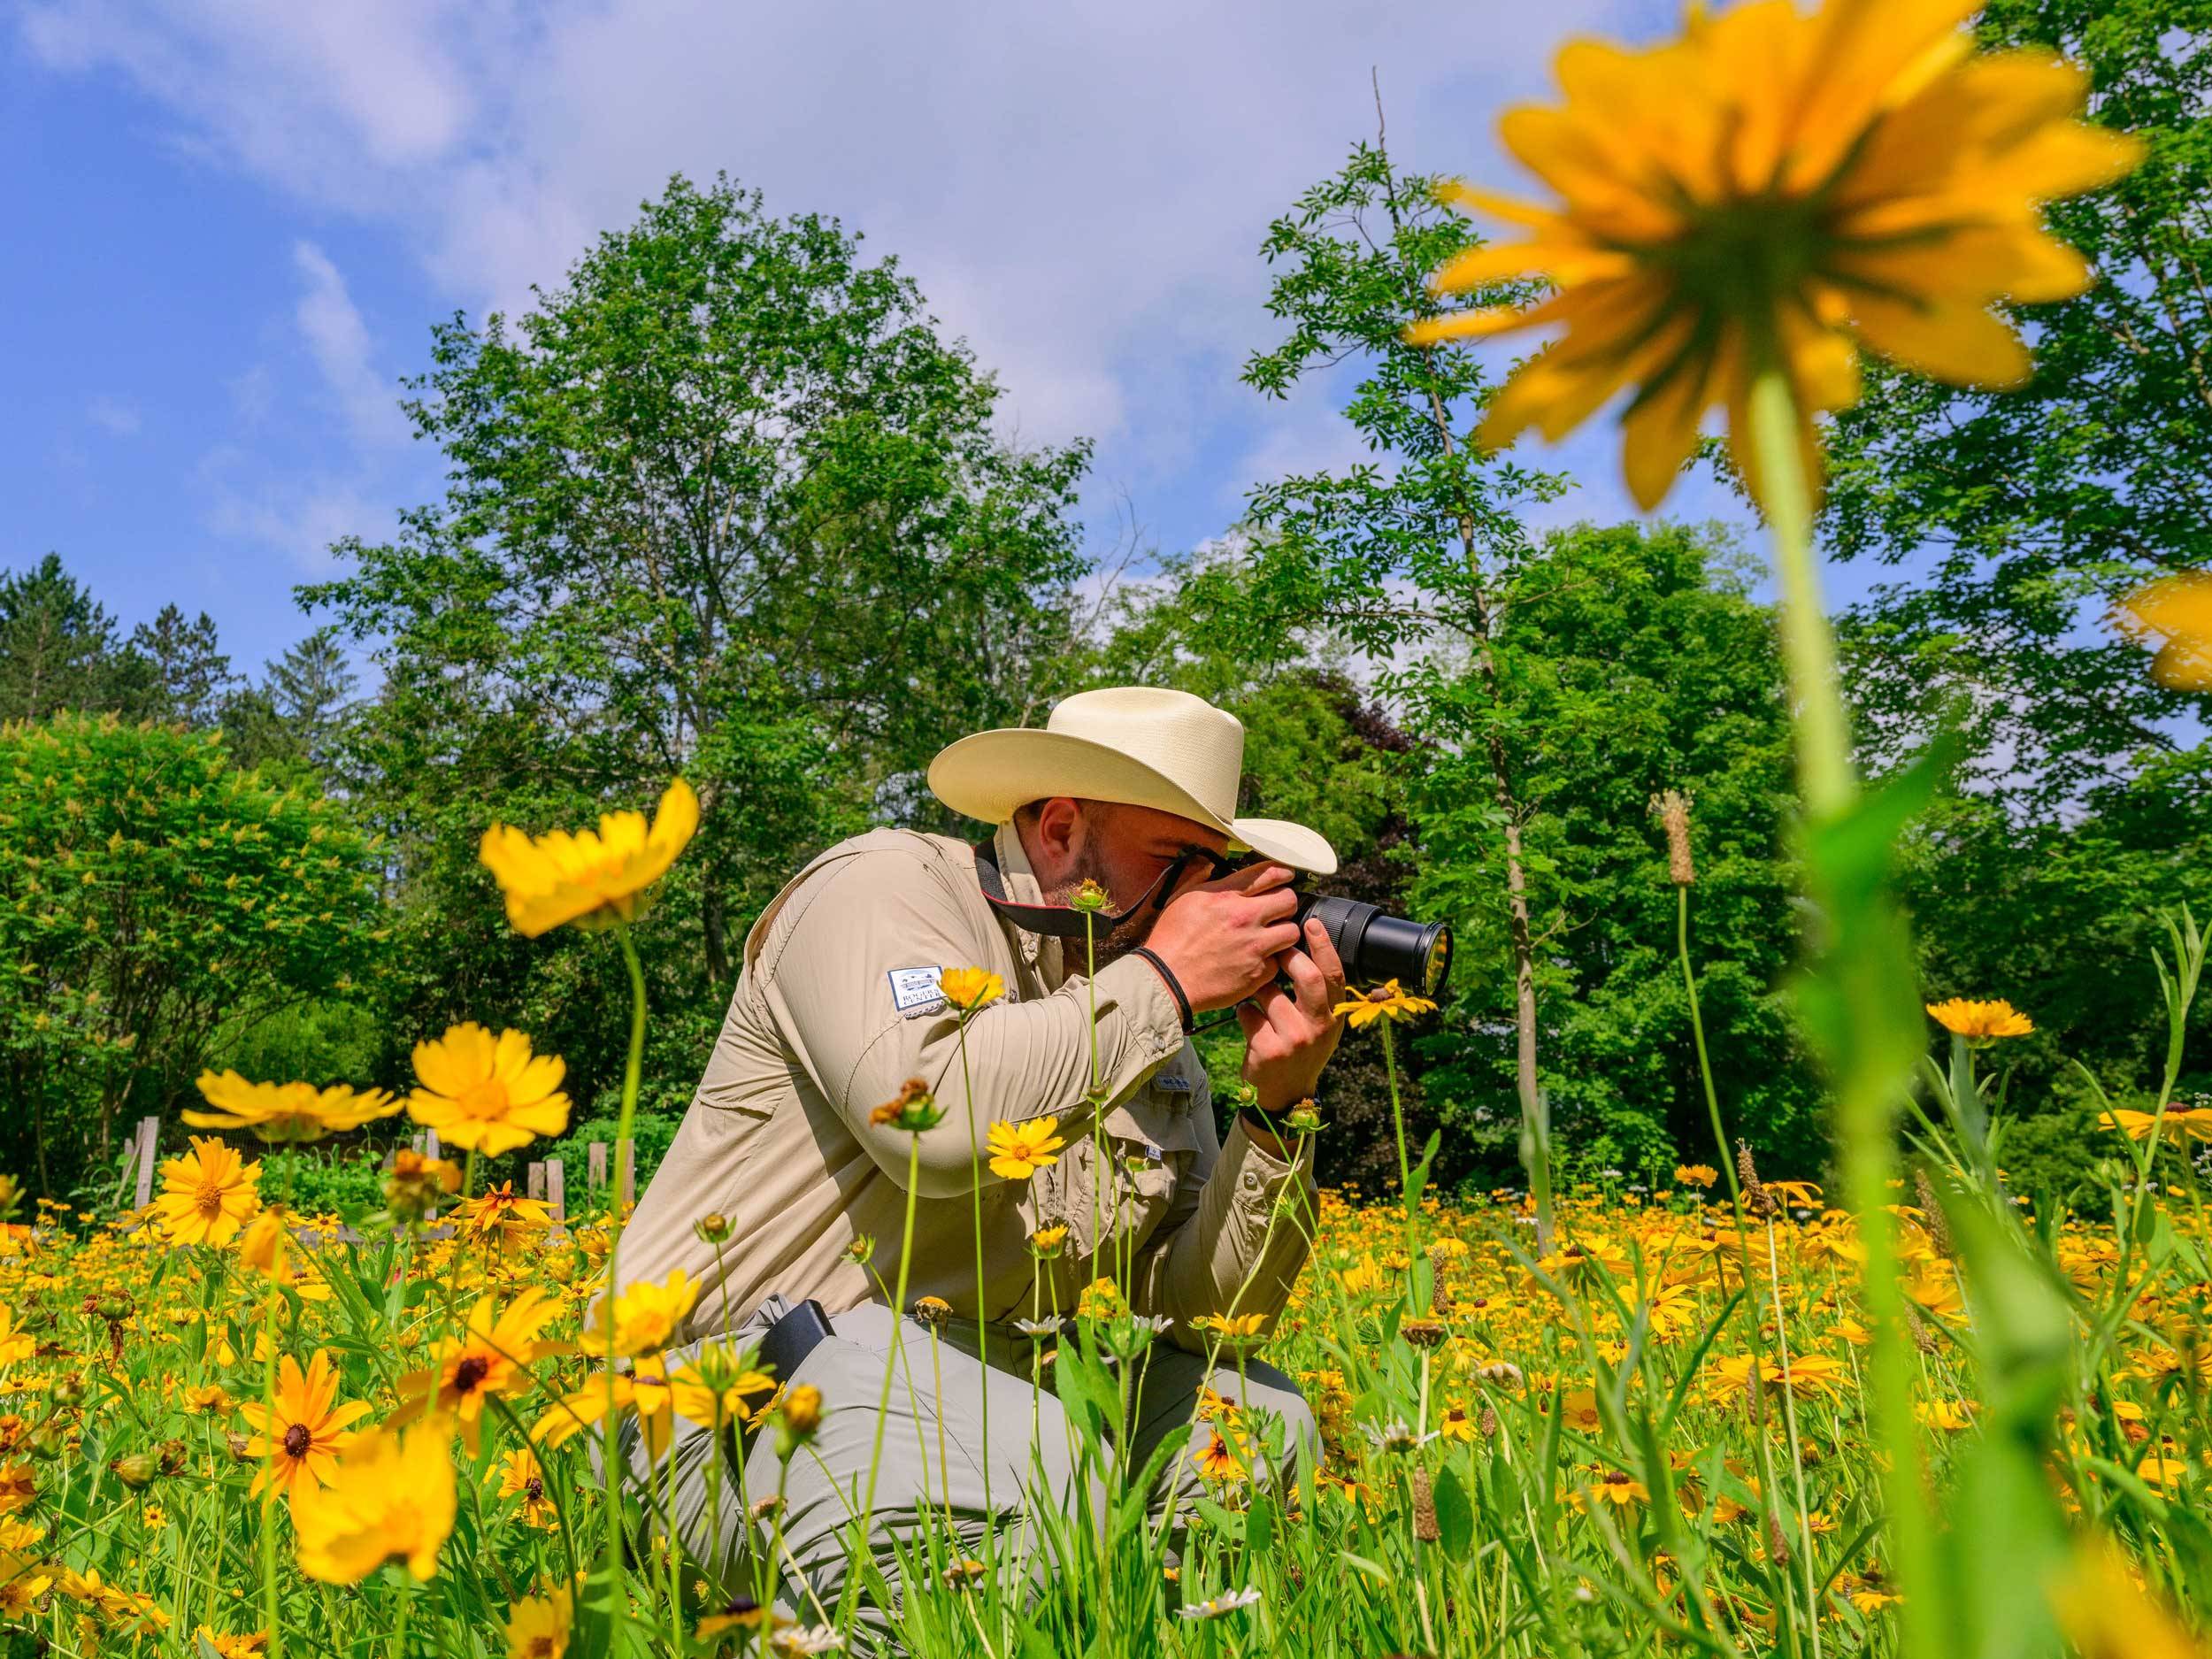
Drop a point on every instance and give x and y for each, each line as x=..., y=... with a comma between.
x=1106, y=946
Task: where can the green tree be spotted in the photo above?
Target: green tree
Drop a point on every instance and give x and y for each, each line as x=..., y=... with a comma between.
x=294, y=719
x=191, y=675
x=1404, y=557
x=60, y=648
x=723, y=503
x=2017, y=518
x=150, y=892
x=1631, y=661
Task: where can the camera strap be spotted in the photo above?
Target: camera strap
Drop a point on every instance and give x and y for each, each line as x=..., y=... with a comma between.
x=1064, y=921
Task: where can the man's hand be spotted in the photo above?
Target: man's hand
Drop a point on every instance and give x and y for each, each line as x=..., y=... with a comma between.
x=1289, y=1036
x=1221, y=939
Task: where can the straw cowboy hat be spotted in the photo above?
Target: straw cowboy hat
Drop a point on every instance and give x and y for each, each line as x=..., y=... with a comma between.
x=1136, y=745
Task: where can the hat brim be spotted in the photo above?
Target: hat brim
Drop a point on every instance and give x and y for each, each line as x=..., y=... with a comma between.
x=990, y=774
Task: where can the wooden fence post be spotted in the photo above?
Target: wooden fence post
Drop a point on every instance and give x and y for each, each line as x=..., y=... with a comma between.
x=556, y=1193
x=595, y=1164
x=626, y=1171
x=149, y=1138
x=534, y=1180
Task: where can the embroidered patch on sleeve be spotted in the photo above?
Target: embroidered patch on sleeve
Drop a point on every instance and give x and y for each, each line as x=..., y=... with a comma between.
x=914, y=991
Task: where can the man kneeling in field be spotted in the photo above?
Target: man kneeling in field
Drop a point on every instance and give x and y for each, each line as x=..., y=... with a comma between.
x=851, y=1001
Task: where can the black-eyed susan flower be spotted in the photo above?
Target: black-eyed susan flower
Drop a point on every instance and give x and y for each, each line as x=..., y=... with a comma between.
x=538, y=1626
x=493, y=1356
x=643, y=1389
x=391, y=1497
x=521, y=1476
x=1219, y=1459
x=208, y=1195
x=485, y=1092
x=592, y=879
x=1765, y=197
x=305, y=1430
x=1388, y=1000
x=499, y=1210
x=1019, y=1151
x=1980, y=1021
x=286, y=1112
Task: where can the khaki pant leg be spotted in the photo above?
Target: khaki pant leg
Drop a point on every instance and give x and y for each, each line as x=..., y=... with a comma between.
x=1276, y=1412
x=932, y=1465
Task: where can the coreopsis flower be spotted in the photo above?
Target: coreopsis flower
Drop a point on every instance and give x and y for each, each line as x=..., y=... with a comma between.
x=1388, y=1000
x=1771, y=193
x=22, y=1582
x=1980, y=1022
x=286, y=1112
x=415, y=1183
x=913, y=1109
x=642, y=1318
x=305, y=1430
x=741, y=1614
x=1232, y=1328
x=593, y=879
x=1696, y=1174
x=1047, y=1242
x=270, y=1248
x=249, y=1645
x=391, y=1497
x=1019, y=1151
x=15, y=1345
x=538, y=1626
x=500, y=1210
x=932, y=1311
x=491, y=1093
x=2177, y=608
x=643, y=1389
x=520, y=1475
x=968, y=990
x=714, y=1390
x=492, y=1357
x=208, y=1195
x=2183, y=1120
x=1101, y=1298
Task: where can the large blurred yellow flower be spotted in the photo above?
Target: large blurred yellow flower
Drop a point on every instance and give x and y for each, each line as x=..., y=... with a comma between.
x=2179, y=609
x=538, y=1626
x=286, y=1111
x=1773, y=191
x=308, y=1428
x=644, y=1388
x=391, y=1497
x=486, y=1092
x=592, y=878
x=645, y=1317
x=208, y=1193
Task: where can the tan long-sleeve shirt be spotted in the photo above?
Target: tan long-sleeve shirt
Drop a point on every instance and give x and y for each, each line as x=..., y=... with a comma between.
x=836, y=1007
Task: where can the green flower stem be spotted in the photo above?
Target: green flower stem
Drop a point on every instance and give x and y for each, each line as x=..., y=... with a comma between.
x=624, y=1125
x=1864, y=1107
x=982, y=1315
x=270, y=1436
x=891, y=1362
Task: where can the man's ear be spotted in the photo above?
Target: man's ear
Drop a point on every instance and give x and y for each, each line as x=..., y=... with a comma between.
x=1057, y=835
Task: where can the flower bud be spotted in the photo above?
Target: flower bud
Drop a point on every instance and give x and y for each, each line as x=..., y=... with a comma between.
x=711, y=1228
x=136, y=1471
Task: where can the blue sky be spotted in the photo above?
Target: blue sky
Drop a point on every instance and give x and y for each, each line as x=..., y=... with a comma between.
x=234, y=222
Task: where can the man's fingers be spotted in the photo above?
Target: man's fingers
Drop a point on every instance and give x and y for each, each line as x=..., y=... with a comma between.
x=1253, y=1021
x=1307, y=978
x=1322, y=948
x=1276, y=940
x=1276, y=906
x=1255, y=879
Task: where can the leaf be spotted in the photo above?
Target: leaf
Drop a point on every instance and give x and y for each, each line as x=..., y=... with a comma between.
x=1373, y=1570
x=1454, y=1516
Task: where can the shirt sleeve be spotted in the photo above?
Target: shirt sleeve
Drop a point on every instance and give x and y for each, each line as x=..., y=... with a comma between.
x=828, y=982
x=1236, y=1238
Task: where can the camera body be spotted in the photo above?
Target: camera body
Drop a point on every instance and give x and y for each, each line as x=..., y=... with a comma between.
x=1375, y=947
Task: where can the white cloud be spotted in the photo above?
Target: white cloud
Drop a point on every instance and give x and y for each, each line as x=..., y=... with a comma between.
x=1081, y=190
x=298, y=518
x=338, y=339
x=117, y=416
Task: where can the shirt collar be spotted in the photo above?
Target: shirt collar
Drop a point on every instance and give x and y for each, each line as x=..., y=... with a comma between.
x=1042, y=954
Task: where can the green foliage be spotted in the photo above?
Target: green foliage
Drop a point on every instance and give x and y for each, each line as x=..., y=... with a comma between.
x=149, y=892
x=2016, y=517
x=723, y=503
x=59, y=649
x=315, y=1181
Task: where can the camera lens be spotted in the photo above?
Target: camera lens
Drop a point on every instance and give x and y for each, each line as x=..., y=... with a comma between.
x=1374, y=946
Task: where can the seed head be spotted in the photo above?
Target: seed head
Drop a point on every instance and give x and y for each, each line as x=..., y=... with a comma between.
x=1673, y=807
x=1762, y=1203
x=1424, y=1526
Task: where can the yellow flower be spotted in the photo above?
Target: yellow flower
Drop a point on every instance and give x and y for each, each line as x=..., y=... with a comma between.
x=208, y=1399
x=2180, y=608
x=1948, y=1415
x=412, y=1188
x=1696, y=1174
x=500, y=1208
x=270, y=1248
x=714, y=1391
x=644, y=1316
x=592, y=878
x=307, y=1432
x=1384, y=1002
x=538, y=1626
x=1046, y=1241
x=208, y=1193
x=1980, y=1022
x=743, y=1614
x=286, y=1111
x=2107, y=1614
x=1773, y=191
x=643, y=1389
x=485, y=1092
x=22, y=1581
x=1019, y=1151
x=493, y=1358
x=1101, y=1298
x=1218, y=1459
x=520, y=1475
x=391, y=1497
x=15, y=1346
x=1232, y=1327
x=970, y=988
x=1611, y=1486
x=252, y=1645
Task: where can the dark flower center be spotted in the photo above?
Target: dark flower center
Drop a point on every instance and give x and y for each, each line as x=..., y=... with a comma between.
x=470, y=1372
x=533, y=1488
x=296, y=1440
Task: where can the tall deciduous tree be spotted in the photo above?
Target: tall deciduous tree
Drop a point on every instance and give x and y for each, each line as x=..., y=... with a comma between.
x=722, y=502
x=2017, y=517
x=1408, y=555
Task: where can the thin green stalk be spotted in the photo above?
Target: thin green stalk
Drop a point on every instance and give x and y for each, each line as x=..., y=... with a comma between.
x=624, y=1125
x=983, y=1314
x=891, y=1362
x=271, y=1436
x=1864, y=1104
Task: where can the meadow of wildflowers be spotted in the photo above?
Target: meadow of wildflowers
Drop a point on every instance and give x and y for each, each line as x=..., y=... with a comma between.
x=1737, y=1416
